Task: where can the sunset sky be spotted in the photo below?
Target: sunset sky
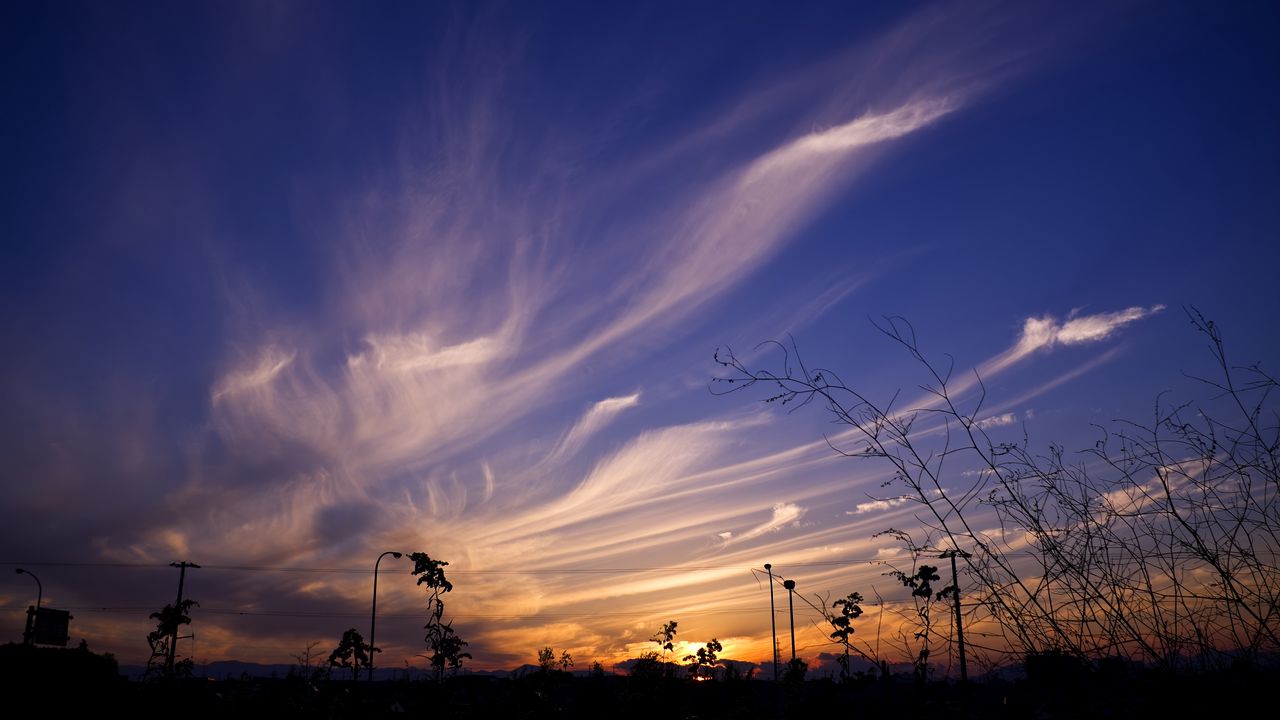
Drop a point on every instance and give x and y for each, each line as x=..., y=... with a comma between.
x=289, y=284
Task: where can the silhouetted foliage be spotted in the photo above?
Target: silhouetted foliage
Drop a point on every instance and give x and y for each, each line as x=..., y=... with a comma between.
x=795, y=672
x=919, y=580
x=1056, y=686
x=54, y=680
x=546, y=659
x=842, y=626
x=921, y=584
x=430, y=573
x=307, y=667
x=445, y=645
x=665, y=638
x=648, y=665
x=548, y=662
x=446, y=648
x=352, y=653
x=704, y=661
x=1160, y=544
x=168, y=621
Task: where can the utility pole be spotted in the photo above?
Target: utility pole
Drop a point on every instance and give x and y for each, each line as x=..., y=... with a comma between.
x=173, y=636
x=790, y=585
x=773, y=622
x=955, y=586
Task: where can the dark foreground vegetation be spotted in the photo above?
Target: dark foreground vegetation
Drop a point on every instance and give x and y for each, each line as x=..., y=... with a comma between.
x=75, y=681
x=1160, y=543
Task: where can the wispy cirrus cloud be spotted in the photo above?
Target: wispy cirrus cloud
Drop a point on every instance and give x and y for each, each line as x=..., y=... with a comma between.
x=270, y=364
x=997, y=420
x=1042, y=334
x=380, y=407
x=784, y=514
x=1047, y=332
x=469, y=289
x=878, y=505
x=592, y=421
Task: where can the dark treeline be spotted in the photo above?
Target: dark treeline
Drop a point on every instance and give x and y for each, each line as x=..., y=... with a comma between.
x=1056, y=686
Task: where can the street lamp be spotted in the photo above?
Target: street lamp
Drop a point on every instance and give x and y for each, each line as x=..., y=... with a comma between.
x=773, y=622
x=955, y=585
x=373, y=618
x=790, y=585
x=27, y=638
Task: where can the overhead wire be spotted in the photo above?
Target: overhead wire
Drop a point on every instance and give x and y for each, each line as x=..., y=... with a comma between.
x=366, y=571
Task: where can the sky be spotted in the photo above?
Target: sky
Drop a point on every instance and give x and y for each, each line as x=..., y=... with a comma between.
x=290, y=284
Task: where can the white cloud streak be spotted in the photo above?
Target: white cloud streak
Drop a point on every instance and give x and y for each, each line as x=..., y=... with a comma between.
x=784, y=514
x=596, y=418
x=1046, y=332
x=877, y=505
x=997, y=421
x=1043, y=334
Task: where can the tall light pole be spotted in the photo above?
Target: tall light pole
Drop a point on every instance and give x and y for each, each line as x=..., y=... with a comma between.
x=773, y=622
x=177, y=607
x=790, y=585
x=27, y=636
x=955, y=585
x=373, y=617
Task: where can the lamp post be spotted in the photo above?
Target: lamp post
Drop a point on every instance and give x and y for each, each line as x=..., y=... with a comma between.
x=955, y=585
x=373, y=618
x=790, y=585
x=27, y=636
x=773, y=622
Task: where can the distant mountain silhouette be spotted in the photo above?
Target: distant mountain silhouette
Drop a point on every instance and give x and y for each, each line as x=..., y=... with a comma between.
x=235, y=669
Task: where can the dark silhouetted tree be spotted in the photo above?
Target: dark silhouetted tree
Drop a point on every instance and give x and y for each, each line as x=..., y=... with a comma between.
x=647, y=665
x=795, y=672
x=168, y=620
x=665, y=638
x=445, y=645
x=547, y=660
x=446, y=648
x=921, y=584
x=705, y=661
x=307, y=667
x=850, y=609
x=352, y=653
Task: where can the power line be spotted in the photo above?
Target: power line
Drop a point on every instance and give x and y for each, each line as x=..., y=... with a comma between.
x=401, y=616
x=878, y=560
x=415, y=616
x=365, y=571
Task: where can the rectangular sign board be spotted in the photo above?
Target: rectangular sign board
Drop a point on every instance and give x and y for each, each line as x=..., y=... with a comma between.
x=50, y=627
